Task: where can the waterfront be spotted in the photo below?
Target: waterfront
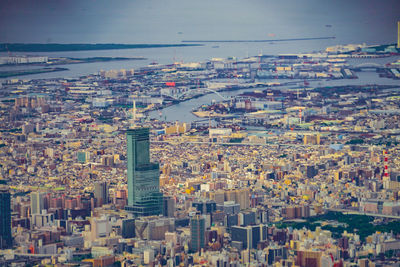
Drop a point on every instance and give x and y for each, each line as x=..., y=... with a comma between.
x=169, y=55
x=182, y=111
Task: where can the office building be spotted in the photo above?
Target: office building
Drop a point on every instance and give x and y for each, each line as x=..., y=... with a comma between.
x=398, y=34
x=308, y=258
x=168, y=206
x=153, y=227
x=101, y=193
x=197, y=233
x=247, y=218
x=99, y=228
x=144, y=197
x=205, y=206
x=37, y=202
x=231, y=220
x=240, y=196
x=229, y=207
x=42, y=220
x=5, y=219
x=274, y=253
x=249, y=236
x=128, y=228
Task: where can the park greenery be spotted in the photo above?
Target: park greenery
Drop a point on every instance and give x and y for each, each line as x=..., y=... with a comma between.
x=359, y=224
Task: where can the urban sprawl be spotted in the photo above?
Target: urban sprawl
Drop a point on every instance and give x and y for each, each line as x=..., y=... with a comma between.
x=286, y=173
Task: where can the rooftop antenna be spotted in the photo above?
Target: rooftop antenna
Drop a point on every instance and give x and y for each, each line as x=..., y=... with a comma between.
x=133, y=122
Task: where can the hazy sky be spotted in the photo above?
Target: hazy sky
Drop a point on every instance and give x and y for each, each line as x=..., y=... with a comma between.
x=160, y=21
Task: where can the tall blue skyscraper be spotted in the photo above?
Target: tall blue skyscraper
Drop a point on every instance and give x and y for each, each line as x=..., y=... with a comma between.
x=197, y=233
x=144, y=197
x=5, y=219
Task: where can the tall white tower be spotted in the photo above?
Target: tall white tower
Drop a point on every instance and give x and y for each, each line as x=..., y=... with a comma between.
x=133, y=120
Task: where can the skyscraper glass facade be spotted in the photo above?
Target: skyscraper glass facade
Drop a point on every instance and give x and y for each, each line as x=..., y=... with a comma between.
x=197, y=233
x=5, y=219
x=144, y=197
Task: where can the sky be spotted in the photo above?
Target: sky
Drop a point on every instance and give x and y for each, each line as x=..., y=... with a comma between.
x=170, y=21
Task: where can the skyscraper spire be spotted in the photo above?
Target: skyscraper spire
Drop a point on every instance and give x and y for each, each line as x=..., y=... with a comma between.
x=133, y=120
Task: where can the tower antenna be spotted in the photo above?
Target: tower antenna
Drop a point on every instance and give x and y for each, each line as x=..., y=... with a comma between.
x=133, y=122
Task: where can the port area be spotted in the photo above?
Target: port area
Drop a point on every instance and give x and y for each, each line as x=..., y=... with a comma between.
x=12, y=73
x=157, y=86
x=64, y=61
x=295, y=109
x=49, y=61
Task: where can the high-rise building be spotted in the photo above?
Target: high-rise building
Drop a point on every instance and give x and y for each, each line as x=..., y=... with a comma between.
x=101, y=193
x=205, y=206
x=243, y=197
x=197, y=233
x=37, y=202
x=5, y=219
x=398, y=34
x=168, y=206
x=128, y=228
x=308, y=258
x=153, y=227
x=144, y=197
x=249, y=236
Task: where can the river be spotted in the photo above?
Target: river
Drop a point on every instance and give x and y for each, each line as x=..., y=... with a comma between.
x=182, y=111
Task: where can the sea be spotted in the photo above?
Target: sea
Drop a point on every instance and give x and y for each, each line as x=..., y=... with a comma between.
x=350, y=22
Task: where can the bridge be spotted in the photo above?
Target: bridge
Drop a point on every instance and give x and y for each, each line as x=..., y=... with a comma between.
x=215, y=92
x=367, y=66
x=179, y=96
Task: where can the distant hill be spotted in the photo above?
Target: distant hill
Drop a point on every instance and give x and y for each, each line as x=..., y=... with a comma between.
x=36, y=47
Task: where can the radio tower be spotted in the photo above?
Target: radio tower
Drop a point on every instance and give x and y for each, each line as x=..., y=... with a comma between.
x=385, y=171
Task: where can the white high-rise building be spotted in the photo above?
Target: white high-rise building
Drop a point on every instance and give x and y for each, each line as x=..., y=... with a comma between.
x=37, y=202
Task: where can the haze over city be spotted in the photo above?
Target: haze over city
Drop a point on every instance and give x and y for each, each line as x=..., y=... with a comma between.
x=154, y=21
